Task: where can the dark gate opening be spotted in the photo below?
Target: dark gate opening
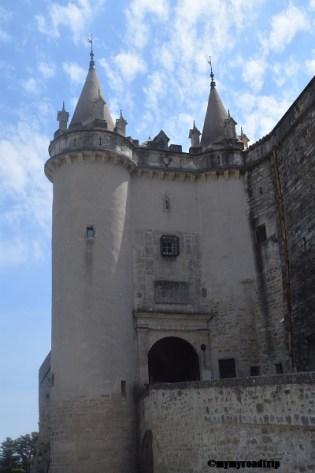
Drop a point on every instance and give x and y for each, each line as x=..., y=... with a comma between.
x=172, y=360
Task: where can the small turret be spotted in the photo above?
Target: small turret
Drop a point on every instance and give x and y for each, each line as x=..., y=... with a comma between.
x=63, y=118
x=229, y=125
x=244, y=139
x=194, y=136
x=121, y=123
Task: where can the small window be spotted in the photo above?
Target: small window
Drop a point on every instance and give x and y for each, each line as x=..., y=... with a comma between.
x=279, y=368
x=123, y=388
x=227, y=368
x=90, y=232
x=261, y=234
x=254, y=370
x=203, y=292
x=169, y=245
x=166, y=203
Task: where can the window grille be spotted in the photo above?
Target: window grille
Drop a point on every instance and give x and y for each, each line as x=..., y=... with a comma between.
x=169, y=245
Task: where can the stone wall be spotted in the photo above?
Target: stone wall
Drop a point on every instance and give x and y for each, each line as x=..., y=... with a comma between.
x=295, y=160
x=93, y=435
x=281, y=172
x=270, y=326
x=216, y=260
x=269, y=418
x=44, y=376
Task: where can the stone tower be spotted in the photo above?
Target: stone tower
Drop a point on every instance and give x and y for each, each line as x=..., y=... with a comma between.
x=93, y=364
x=172, y=267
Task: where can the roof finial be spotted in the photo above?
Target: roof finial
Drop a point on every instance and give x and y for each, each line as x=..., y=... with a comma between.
x=92, y=63
x=212, y=83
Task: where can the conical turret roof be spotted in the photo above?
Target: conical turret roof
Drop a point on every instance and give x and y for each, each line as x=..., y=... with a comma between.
x=91, y=104
x=213, y=128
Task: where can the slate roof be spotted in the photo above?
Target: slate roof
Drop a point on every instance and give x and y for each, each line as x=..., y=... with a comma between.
x=213, y=128
x=91, y=95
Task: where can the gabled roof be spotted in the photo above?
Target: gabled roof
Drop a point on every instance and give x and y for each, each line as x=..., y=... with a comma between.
x=91, y=104
x=161, y=136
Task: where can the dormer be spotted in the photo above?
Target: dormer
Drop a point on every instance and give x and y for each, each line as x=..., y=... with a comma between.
x=160, y=141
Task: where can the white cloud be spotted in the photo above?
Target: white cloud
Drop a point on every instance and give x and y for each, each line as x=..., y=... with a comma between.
x=310, y=63
x=166, y=58
x=15, y=252
x=46, y=69
x=263, y=114
x=191, y=30
x=31, y=85
x=5, y=17
x=310, y=66
x=4, y=36
x=155, y=89
x=246, y=101
x=75, y=15
x=25, y=198
x=284, y=71
x=75, y=72
x=113, y=78
x=254, y=73
x=130, y=65
x=285, y=26
x=137, y=16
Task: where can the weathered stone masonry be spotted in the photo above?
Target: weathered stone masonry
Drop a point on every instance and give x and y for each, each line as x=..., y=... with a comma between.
x=270, y=418
x=281, y=188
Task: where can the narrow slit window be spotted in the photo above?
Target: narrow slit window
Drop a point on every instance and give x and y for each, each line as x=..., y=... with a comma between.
x=261, y=234
x=123, y=388
x=166, y=204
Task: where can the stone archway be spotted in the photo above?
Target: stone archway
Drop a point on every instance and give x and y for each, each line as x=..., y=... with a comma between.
x=172, y=360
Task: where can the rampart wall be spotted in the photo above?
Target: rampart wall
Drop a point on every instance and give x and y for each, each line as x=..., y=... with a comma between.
x=245, y=419
x=281, y=190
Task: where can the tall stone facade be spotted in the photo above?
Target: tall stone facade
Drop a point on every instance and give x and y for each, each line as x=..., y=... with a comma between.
x=171, y=267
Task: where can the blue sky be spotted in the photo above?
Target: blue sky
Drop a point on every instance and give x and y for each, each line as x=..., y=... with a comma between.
x=151, y=58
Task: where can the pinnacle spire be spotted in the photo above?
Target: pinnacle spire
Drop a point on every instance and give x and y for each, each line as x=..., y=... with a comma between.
x=91, y=104
x=92, y=63
x=212, y=83
x=214, y=124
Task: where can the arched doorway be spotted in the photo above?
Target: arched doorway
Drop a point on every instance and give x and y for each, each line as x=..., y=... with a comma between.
x=172, y=360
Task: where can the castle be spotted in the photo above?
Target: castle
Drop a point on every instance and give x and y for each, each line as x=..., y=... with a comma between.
x=183, y=295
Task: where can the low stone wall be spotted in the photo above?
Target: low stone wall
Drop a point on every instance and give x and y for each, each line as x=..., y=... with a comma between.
x=257, y=419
